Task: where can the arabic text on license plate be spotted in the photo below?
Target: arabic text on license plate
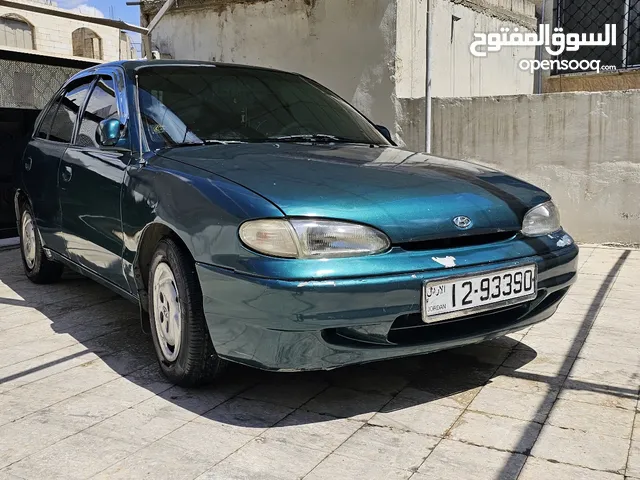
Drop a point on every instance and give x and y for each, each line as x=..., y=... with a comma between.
x=454, y=297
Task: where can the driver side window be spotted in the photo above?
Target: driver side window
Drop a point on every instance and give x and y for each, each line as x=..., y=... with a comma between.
x=47, y=119
x=102, y=105
x=67, y=113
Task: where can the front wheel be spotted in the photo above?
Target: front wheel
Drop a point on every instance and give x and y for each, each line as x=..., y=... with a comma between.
x=178, y=326
x=38, y=268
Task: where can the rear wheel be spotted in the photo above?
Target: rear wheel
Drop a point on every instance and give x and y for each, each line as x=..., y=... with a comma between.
x=178, y=326
x=38, y=268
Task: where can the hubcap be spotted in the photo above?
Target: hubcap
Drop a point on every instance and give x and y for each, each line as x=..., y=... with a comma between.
x=166, y=311
x=28, y=240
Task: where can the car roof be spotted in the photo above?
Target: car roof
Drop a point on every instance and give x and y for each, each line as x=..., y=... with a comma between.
x=131, y=66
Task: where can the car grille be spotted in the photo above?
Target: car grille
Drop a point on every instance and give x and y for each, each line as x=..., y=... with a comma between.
x=458, y=242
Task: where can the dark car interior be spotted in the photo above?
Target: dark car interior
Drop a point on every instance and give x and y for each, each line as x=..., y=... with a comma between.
x=193, y=105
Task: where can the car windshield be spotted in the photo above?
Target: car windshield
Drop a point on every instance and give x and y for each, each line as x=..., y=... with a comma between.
x=199, y=104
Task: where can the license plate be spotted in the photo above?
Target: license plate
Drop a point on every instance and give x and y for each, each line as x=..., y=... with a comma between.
x=459, y=296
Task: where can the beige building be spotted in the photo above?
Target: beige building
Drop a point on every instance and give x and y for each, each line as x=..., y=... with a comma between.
x=52, y=35
x=371, y=52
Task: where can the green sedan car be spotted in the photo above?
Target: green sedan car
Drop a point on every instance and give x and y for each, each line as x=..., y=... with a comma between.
x=258, y=218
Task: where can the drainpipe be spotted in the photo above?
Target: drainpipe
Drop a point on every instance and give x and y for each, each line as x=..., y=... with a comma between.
x=427, y=97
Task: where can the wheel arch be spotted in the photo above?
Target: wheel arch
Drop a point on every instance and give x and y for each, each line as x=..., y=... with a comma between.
x=152, y=234
x=20, y=197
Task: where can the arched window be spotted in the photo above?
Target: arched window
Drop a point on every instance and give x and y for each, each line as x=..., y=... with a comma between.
x=16, y=31
x=86, y=43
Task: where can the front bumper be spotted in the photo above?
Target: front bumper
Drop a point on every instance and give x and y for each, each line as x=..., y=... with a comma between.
x=320, y=325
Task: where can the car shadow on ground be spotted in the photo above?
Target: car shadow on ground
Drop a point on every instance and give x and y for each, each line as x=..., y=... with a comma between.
x=109, y=330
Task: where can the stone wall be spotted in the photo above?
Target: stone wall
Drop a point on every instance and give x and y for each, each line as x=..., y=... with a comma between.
x=53, y=35
x=595, y=82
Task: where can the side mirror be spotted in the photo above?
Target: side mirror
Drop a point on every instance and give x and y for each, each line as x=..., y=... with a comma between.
x=108, y=132
x=385, y=133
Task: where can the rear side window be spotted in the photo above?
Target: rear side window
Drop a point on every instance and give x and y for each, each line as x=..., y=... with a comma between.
x=101, y=105
x=45, y=125
x=65, y=119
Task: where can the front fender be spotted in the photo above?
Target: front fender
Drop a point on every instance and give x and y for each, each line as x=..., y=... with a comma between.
x=202, y=209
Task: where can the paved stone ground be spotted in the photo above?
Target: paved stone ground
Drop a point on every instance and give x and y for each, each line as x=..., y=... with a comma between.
x=81, y=397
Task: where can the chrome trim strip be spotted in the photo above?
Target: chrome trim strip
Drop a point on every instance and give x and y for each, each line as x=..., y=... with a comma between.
x=185, y=64
x=140, y=129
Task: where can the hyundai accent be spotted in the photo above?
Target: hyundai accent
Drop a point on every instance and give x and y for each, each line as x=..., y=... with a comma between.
x=259, y=218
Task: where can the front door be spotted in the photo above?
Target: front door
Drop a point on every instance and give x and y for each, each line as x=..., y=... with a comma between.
x=91, y=179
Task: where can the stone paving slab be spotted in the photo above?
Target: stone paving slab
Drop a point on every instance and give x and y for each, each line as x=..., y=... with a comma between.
x=81, y=397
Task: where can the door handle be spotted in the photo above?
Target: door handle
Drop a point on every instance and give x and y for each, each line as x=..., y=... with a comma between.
x=28, y=163
x=66, y=173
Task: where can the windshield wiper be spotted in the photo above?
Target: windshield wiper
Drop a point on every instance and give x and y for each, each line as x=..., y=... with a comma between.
x=314, y=137
x=221, y=142
x=204, y=142
x=183, y=144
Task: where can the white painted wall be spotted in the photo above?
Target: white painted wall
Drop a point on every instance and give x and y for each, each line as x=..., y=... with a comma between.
x=346, y=45
x=52, y=35
x=370, y=52
x=455, y=71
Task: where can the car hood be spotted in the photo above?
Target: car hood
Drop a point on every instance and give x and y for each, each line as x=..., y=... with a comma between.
x=409, y=196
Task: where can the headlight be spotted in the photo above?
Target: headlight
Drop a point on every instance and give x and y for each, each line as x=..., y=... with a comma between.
x=541, y=220
x=308, y=238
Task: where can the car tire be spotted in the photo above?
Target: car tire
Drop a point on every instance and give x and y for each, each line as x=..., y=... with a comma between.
x=177, y=322
x=38, y=268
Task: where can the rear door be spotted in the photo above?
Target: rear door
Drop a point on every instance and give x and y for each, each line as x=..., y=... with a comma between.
x=41, y=161
x=91, y=178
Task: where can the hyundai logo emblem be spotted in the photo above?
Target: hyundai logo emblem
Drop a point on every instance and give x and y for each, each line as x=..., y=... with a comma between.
x=462, y=222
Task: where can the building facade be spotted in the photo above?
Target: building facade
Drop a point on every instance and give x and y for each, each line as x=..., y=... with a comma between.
x=373, y=53
x=53, y=35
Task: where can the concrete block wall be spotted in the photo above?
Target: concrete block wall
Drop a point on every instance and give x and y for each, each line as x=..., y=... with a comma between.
x=580, y=147
x=53, y=35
